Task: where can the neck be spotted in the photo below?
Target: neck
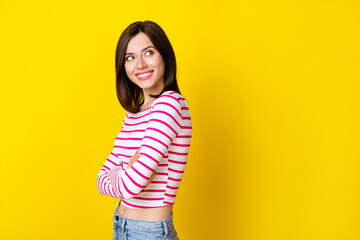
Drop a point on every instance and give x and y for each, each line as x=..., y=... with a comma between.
x=153, y=91
x=147, y=101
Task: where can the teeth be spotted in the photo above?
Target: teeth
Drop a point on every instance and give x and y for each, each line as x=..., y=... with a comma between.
x=145, y=74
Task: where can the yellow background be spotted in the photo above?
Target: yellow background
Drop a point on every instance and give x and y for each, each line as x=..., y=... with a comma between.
x=273, y=89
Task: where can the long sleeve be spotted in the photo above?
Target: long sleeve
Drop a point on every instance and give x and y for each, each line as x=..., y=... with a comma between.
x=163, y=126
x=103, y=182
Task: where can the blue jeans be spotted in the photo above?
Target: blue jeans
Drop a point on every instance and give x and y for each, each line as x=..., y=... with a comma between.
x=131, y=229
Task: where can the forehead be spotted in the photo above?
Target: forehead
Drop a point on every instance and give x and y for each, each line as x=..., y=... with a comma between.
x=138, y=42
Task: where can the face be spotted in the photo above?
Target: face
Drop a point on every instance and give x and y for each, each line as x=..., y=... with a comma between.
x=144, y=65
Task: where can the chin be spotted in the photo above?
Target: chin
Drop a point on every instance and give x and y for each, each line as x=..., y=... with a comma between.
x=146, y=85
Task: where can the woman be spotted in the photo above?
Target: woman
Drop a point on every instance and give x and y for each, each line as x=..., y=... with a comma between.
x=146, y=165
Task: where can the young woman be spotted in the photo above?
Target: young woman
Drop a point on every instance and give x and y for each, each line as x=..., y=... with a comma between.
x=147, y=163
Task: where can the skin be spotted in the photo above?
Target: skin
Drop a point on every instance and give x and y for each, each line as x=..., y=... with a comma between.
x=142, y=56
x=141, y=60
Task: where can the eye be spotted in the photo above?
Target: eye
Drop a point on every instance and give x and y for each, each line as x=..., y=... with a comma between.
x=149, y=52
x=129, y=58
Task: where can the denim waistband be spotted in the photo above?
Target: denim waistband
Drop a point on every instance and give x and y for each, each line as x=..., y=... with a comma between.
x=154, y=226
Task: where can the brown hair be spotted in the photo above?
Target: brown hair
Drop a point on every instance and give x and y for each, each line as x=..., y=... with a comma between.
x=129, y=94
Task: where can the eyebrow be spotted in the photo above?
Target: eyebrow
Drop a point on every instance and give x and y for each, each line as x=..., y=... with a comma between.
x=141, y=50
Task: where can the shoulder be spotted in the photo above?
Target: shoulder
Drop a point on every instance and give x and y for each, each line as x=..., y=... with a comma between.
x=169, y=96
x=170, y=102
x=126, y=115
x=172, y=97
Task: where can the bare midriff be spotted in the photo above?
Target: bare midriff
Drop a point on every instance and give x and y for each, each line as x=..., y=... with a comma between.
x=146, y=214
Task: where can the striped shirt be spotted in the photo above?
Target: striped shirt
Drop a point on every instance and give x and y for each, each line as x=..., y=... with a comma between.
x=163, y=133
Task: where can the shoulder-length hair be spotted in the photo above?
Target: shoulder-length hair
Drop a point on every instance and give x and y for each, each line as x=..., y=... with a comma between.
x=130, y=95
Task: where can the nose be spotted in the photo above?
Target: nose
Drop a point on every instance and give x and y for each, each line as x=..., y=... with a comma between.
x=141, y=63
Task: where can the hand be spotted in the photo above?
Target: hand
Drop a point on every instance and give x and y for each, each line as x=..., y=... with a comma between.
x=133, y=159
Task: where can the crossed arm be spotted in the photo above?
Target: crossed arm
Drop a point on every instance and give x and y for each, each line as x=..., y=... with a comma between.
x=133, y=159
x=163, y=126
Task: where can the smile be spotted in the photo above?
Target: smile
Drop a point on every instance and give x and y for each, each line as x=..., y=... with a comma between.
x=144, y=76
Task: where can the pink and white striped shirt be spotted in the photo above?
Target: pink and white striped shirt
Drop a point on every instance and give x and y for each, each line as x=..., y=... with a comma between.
x=163, y=134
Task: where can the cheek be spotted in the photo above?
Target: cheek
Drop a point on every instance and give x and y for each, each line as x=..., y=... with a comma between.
x=129, y=73
x=128, y=68
x=158, y=62
x=162, y=68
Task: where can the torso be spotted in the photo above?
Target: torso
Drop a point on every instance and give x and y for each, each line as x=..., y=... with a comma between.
x=146, y=214
x=156, y=213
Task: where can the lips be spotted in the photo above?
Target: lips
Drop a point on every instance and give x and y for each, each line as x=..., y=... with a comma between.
x=144, y=75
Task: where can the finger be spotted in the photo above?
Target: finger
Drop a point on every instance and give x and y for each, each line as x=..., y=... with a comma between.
x=136, y=157
x=130, y=163
x=138, y=153
x=151, y=178
x=149, y=181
